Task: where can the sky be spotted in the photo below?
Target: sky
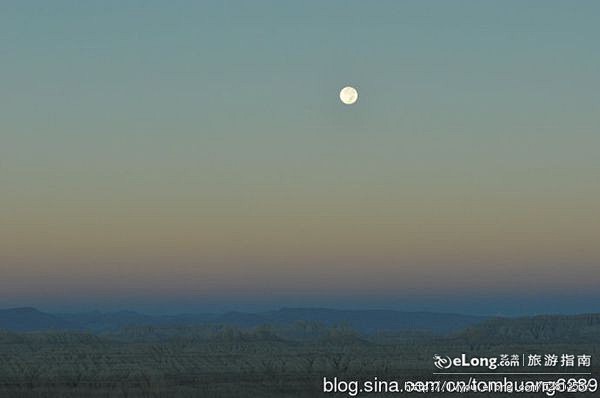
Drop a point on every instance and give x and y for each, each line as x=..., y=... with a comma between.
x=183, y=155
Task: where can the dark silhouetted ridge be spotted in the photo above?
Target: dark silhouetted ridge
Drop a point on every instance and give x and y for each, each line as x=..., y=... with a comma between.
x=27, y=319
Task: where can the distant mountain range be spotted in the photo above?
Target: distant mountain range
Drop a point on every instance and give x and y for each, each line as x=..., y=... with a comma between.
x=568, y=329
x=29, y=319
x=583, y=328
x=363, y=321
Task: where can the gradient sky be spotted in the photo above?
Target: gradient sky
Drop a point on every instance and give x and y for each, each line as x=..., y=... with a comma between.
x=183, y=155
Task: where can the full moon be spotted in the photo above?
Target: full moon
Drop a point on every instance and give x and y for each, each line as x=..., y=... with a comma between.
x=348, y=95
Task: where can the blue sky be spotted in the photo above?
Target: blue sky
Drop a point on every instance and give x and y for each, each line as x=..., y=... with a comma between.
x=196, y=154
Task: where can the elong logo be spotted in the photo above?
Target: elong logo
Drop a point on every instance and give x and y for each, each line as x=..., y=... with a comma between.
x=445, y=362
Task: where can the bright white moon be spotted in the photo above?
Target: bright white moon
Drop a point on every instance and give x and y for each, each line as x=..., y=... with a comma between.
x=348, y=95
